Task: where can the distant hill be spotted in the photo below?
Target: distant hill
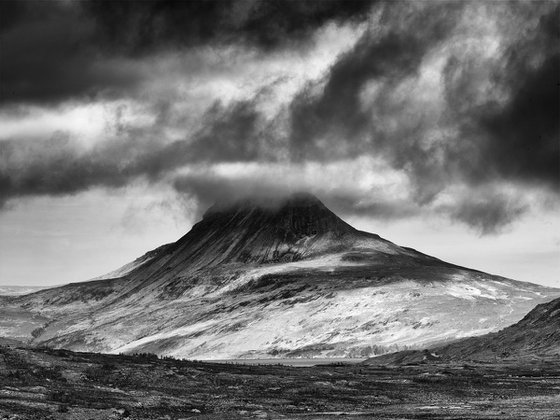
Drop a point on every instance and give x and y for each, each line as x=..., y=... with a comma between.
x=537, y=335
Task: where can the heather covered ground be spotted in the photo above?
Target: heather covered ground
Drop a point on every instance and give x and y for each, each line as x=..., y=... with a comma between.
x=59, y=384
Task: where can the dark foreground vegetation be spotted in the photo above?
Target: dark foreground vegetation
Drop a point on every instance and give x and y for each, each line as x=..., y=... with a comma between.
x=59, y=384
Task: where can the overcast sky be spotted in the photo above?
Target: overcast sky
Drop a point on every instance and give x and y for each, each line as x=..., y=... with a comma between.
x=434, y=124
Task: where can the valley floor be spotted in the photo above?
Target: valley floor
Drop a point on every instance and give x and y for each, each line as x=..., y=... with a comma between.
x=59, y=384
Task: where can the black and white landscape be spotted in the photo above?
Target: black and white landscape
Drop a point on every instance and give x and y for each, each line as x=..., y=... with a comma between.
x=283, y=279
x=305, y=198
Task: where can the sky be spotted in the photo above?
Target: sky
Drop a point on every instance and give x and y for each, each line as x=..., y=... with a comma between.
x=434, y=124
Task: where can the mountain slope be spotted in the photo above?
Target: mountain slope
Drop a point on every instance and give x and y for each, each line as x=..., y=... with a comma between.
x=268, y=279
x=536, y=335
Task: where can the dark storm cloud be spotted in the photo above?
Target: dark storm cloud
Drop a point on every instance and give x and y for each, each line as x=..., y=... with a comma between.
x=524, y=135
x=517, y=141
x=138, y=27
x=12, y=13
x=57, y=166
x=488, y=212
x=228, y=134
x=52, y=51
x=337, y=112
x=47, y=55
x=336, y=122
x=521, y=137
x=232, y=135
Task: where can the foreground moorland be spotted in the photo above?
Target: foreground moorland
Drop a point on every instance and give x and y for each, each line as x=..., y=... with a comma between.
x=59, y=384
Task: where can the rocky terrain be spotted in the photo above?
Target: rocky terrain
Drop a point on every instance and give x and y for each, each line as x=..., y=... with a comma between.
x=63, y=385
x=272, y=279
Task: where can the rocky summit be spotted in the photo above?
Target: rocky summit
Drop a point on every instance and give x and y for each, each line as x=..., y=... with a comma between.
x=272, y=278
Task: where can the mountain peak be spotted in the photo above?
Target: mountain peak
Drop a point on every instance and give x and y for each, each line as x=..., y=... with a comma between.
x=269, y=203
x=291, y=217
x=302, y=199
x=266, y=230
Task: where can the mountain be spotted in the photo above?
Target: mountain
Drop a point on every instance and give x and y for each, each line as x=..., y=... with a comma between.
x=272, y=278
x=537, y=335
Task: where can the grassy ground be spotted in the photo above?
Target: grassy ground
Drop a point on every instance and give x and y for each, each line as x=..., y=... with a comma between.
x=57, y=384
